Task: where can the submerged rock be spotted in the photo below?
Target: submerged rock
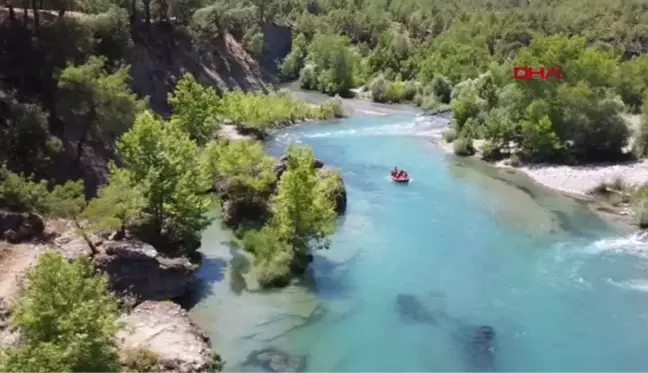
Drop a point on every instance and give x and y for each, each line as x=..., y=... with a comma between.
x=165, y=329
x=137, y=268
x=17, y=227
x=410, y=308
x=275, y=360
x=481, y=350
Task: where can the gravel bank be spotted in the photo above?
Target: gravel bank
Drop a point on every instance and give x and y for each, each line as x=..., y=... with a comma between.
x=580, y=180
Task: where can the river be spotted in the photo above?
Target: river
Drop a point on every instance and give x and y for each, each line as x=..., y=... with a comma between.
x=463, y=245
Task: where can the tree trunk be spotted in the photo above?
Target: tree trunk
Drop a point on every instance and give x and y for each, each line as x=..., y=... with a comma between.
x=36, y=17
x=85, y=237
x=25, y=12
x=41, y=6
x=84, y=135
x=12, y=14
x=133, y=14
x=147, y=11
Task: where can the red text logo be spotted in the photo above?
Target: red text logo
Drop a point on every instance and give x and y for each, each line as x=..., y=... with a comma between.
x=530, y=73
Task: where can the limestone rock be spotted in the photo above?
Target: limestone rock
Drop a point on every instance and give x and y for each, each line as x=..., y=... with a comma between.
x=166, y=329
x=17, y=227
x=138, y=269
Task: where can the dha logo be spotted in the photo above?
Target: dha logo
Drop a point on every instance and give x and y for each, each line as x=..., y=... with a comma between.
x=529, y=73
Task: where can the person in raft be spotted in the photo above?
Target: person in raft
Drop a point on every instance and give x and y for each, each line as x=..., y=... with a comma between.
x=395, y=172
x=402, y=174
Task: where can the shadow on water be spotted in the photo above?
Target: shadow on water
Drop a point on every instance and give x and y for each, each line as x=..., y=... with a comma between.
x=212, y=270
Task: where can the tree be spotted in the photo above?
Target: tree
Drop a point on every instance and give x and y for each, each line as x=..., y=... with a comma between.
x=243, y=166
x=195, y=109
x=166, y=163
x=302, y=214
x=68, y=320
x=118, y=204
x=93, y=102
x=333, y=63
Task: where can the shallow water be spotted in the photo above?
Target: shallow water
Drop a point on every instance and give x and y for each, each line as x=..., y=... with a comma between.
x=463, y=244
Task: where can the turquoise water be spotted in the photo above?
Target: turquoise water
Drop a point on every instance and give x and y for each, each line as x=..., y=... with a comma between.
x=562, y=289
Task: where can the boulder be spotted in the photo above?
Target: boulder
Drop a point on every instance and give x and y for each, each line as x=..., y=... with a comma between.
x=17, y=227
x=237, y=211
x=165, y=329
x=139, y=270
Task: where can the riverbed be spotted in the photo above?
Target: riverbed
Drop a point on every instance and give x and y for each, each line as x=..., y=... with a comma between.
x=414, y=269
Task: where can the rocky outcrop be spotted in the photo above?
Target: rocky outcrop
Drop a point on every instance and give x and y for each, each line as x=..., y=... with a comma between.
x=165, y=329
x=133, y=267
x=17, y=227
x=137, y=269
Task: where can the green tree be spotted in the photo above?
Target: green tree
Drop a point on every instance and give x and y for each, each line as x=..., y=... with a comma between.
x=68, y=320
x=303, y=214
x=118, y=204
x=333, y=63
x=166, y=163
x=243, y=166
x=95, y=103
x=195, y=109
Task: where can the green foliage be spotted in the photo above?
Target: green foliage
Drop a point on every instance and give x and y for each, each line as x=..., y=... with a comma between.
x=118, y=204
x=243, y=166
x=641, y=141
x=332, y=64
x=463, y=146
x=293, y=63
x=25, y=140
x=302, y=213
x=253, y=41
x=112, y=33
x=67, y=200
x=20, y=193
x=195, y=109
x=140, y=360
x=266, y=111
x=450, y=135
x=166, y=163
x=95, y=103
x=68, y=320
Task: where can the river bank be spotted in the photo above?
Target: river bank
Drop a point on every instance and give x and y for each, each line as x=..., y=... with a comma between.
x=578, y=182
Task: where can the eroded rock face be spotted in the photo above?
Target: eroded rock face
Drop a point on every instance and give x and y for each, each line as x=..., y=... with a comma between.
x=166, y=329
x=136, y=268
x=17, y=227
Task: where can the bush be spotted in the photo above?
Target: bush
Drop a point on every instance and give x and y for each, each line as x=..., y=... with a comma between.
x=68, y=319
x=450, y=135
x=463, y=147
x=379, y=89
x=20, y=193
x=139, y=360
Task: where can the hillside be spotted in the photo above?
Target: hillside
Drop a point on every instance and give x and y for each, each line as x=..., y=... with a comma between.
x=158, y=54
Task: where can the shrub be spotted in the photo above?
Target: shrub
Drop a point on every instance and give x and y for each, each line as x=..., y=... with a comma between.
x=450, y=135
x=463, y=147
x=379, y=89
x=139, y=360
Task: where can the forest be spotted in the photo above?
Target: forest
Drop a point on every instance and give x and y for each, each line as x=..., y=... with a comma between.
x=78, y=141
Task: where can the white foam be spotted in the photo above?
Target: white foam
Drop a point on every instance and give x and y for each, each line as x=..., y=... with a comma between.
x=635, y=285
x=635, y=244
